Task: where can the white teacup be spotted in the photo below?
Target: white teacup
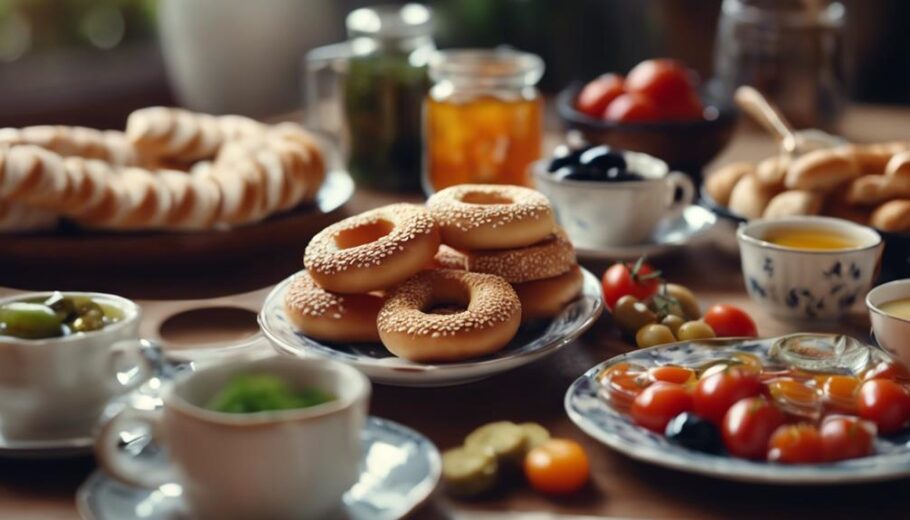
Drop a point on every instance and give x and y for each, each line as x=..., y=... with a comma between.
x=276, y=464
x=606, y=214
x=808, y=284
x=57, y=388
x=891, y=332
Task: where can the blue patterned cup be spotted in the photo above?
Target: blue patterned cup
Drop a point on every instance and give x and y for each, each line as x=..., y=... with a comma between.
x=808, y=284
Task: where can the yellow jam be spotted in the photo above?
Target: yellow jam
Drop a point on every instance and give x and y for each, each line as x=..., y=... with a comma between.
x=897, y=308
x=814, y=239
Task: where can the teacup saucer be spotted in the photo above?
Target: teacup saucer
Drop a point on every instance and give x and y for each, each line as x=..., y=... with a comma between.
x=146, y=396
x=400, y=470
x=671, y=234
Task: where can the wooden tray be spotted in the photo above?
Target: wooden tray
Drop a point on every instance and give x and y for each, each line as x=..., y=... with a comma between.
x=80, y=259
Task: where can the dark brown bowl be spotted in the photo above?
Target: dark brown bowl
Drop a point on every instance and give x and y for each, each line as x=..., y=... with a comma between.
x=685, y=145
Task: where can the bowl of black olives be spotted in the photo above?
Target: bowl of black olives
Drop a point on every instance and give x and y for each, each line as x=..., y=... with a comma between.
x=606, y=197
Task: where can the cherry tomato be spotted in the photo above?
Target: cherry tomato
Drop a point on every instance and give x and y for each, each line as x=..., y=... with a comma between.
x=748, y=426
x=667, y=82
x=639, y=280
x=619, y=369
x=888, y=370
x=845, y=437
x=729, y=321
x=795, y=444
x=631, y=108
x=686, y=109
x=557, y=467
x=795, y=397
x=660, y=402
x=672, y=374
x=717, y=392
x=596, y=95
x=885, y=403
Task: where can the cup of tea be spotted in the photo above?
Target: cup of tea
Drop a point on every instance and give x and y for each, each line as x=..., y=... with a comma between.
x=889, y=312
x=56, y=376
x=808, y=267
x=273, y=437
x=609, y=213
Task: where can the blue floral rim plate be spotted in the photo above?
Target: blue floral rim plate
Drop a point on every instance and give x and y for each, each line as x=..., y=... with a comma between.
x=533, y=341
x=399, y=472
x=598, y=419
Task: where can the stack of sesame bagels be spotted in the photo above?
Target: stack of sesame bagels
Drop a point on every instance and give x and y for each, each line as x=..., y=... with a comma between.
x=866, y=183
x=170, y=169
x=446, y=282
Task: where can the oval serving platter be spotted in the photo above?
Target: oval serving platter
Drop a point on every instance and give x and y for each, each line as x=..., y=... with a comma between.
x=599, y=419
x=532, y=342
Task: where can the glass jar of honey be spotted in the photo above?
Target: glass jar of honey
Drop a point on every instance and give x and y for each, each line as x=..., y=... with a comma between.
x=483, y=118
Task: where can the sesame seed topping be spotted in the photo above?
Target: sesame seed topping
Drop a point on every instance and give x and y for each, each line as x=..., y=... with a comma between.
x=492, y=301
x=548, y=258
x=308, y=299
x=409, y=222
x=450, y=207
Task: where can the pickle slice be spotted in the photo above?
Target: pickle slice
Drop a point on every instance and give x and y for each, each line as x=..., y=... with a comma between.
x=468, y=471
x=535, y=434
x=506, y=440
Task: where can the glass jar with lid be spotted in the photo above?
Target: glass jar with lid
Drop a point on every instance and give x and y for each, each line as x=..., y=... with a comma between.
x=790, y=50
x=483, y=118
x=368, y=92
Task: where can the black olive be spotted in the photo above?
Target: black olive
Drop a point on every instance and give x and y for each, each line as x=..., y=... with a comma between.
x=564, y=156
x=602, y=158
x=693, y=432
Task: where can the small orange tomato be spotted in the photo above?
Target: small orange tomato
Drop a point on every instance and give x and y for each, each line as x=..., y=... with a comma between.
x=557, y=467
x=795, y=444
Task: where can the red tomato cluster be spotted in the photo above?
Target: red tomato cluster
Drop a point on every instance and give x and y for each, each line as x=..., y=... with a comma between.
x=756, y=414
x=654, y=90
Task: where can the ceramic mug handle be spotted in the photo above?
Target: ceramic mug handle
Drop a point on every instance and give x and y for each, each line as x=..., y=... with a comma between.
x=127, y=366
x=123, y=465
x=682, y=182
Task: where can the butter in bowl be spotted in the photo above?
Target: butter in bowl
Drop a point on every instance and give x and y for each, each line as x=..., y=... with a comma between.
x=808, y=268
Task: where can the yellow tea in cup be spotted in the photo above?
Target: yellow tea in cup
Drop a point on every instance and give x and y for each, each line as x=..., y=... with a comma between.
x=897, y=308
x=810, y=238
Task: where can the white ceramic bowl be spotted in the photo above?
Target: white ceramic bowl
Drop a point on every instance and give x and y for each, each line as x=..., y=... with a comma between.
x=808, y=284
x=890, y=332
x=599, y=214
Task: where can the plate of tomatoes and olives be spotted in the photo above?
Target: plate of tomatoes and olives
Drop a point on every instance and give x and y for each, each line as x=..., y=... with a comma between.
x=651, y=311
x=801, y=409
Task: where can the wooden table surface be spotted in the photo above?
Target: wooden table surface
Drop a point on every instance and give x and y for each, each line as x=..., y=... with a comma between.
x=620, y=486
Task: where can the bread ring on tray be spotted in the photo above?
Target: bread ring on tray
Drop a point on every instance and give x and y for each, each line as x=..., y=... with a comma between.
x=823, y=170
x=325, y=316
x=489, y=321
x=720, y=183
x=550, y=257
x=892, y=216
x=544, y=299
x=374, y=250
x=486, y=216
x=450, y=258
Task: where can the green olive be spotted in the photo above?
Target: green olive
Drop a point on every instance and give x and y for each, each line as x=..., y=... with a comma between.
x=84, y=304
x=686, y=300
x=90, y=320
x=674, y=322
x=695, y=330
x=631, y=314
x=653, y=334
x=29, y=321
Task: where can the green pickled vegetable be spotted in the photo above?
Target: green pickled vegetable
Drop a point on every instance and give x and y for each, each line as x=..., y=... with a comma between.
x=468, y=471
x=506, y=440
x=251, y=393
x=535, y=434
x=30, y=321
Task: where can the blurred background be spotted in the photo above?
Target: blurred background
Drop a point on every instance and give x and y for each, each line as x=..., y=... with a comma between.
x=91, y=62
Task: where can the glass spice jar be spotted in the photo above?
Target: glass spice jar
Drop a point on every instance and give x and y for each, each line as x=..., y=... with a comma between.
x=483, y=118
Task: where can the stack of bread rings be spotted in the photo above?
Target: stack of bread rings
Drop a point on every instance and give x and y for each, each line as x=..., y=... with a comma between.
x=448, y=282
x=170, y=169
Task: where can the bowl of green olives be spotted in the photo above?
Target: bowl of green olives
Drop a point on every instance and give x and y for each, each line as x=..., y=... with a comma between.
x=57, y=315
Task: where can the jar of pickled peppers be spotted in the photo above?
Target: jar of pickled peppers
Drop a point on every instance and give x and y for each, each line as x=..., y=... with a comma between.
x=483, y=118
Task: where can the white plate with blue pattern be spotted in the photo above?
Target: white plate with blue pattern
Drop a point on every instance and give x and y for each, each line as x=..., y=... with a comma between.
x=598, y=419
x=533, y=341
x=400, y=470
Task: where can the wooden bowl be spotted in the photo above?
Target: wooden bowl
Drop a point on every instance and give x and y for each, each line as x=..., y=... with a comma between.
x=685, y=145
